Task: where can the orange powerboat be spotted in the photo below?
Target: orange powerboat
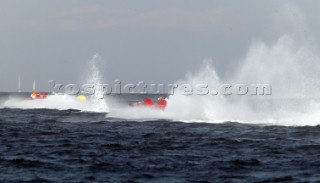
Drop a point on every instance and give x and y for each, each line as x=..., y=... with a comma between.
x=37, y=95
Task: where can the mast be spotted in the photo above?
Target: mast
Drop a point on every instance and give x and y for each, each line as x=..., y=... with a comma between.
x=34, y=85
x=19, y=85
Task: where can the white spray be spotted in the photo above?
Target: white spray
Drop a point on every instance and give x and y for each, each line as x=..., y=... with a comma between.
x=65, y=102
x=290, y=65
x=96, y=80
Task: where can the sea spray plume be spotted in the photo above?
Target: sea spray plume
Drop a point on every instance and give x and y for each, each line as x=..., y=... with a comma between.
x=290, y=65
x=290, y=68
x=95, y=79
x=196, y=107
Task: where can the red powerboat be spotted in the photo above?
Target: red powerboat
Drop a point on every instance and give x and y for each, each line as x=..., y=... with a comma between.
x=148, y=102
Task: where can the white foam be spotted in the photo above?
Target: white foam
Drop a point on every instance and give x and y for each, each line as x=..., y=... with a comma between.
x=58, y=102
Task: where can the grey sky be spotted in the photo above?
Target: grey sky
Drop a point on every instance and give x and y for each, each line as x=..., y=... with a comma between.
x=154, y=41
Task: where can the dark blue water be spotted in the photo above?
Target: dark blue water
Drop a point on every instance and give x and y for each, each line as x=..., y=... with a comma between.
x=72, y=146
x=42, y=145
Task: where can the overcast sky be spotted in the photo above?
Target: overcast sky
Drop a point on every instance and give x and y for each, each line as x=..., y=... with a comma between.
x=153, y=41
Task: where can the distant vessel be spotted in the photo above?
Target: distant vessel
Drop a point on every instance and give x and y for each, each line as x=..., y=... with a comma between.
x=19, y=85
x=35, y=95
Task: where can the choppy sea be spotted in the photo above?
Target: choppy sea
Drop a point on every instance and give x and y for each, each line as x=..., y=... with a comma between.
x=71, y=145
